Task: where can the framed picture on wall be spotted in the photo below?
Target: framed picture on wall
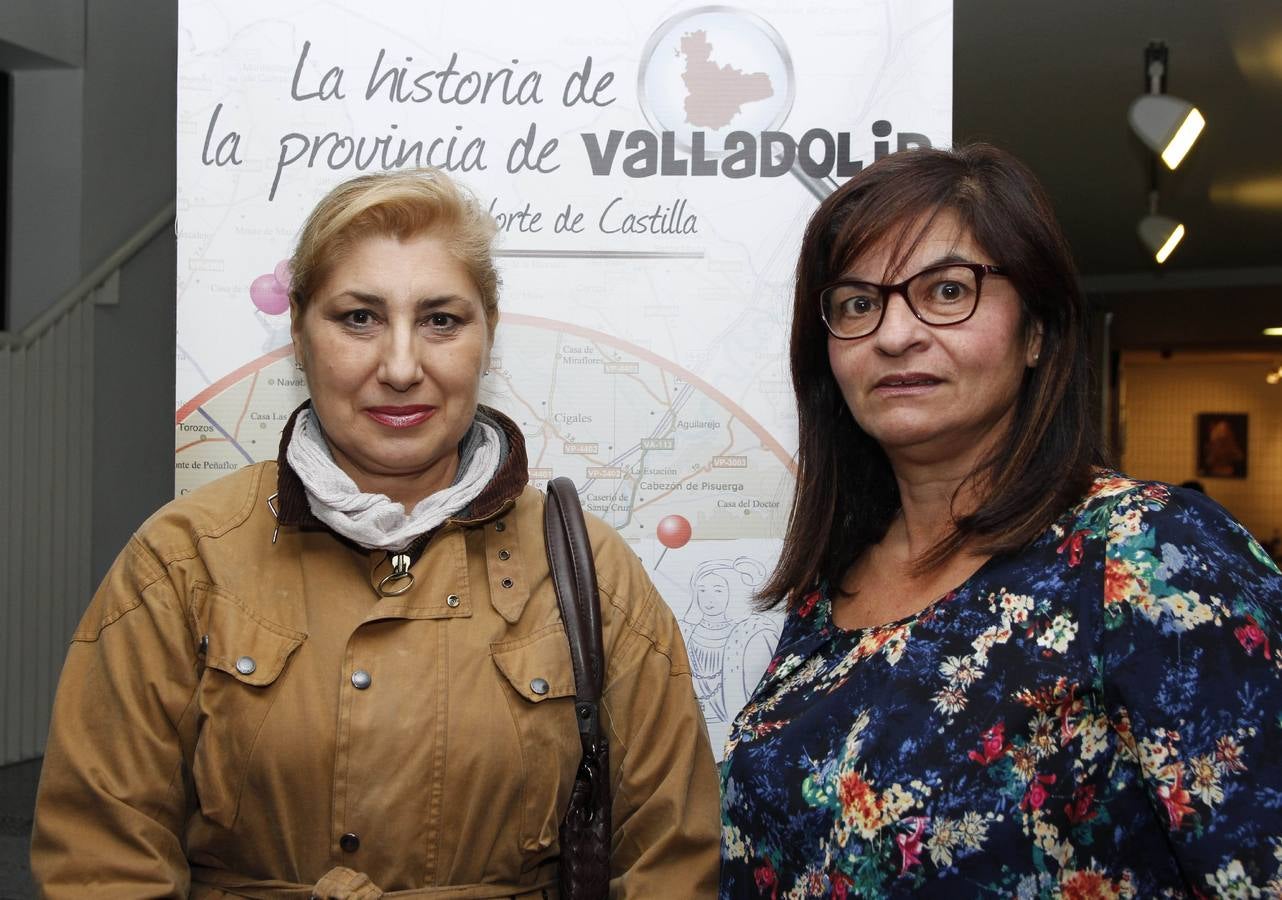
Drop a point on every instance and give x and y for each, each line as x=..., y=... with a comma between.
x=1221, y=445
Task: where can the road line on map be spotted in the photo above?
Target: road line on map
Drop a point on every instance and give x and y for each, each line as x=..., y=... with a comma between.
x=231, y=378
x=706, y=468
x=197, y=443
x=660, y=429
x=249, y=395
x=192, y=361
x=645, y=387
x=231, y=440
x=543, y=425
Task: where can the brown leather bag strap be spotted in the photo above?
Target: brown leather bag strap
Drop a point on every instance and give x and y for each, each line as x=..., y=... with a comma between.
x=574, y=576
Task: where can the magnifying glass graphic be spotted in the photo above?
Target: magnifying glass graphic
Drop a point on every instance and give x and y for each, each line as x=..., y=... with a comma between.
x=712, y=70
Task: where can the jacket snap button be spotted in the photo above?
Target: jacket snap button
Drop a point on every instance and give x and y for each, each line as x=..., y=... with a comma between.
x=246, y=665
x=539, y=686
x=506, y=582
x=361, y=679
x=500, y=526
x=452, y=601
x=503, y=554
x=350, y=842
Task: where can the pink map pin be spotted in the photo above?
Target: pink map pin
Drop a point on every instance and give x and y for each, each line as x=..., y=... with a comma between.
x=268, y=294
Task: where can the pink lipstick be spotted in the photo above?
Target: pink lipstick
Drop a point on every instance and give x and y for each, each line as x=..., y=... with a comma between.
x=400, y=416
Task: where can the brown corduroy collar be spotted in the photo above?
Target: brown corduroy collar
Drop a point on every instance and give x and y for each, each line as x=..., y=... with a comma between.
x=506, y=485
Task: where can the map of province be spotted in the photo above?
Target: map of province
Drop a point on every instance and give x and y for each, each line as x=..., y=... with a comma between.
x=716, y=93
x=642, y=438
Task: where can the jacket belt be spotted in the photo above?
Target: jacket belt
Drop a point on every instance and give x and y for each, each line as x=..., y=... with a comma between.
x=341, y=883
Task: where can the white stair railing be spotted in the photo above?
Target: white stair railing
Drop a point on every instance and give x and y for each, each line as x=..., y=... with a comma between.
x=46, y=494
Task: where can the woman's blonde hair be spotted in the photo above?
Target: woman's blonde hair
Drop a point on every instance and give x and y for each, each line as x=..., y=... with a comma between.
x=400, y=204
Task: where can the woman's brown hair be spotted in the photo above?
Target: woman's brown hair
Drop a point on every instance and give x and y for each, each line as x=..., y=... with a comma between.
x=846, y=494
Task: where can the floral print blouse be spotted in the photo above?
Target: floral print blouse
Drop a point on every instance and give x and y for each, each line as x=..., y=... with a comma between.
x=1099, y=715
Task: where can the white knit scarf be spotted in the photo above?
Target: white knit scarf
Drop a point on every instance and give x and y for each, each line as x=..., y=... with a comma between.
x=375, y=521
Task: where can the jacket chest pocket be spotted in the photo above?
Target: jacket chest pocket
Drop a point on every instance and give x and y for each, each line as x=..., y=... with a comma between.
x=245, y=661
x=538, y=672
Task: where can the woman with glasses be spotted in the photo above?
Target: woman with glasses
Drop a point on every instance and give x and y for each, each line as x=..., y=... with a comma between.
x=1006, y=670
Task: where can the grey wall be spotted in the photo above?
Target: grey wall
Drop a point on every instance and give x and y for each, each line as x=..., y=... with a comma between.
x=92, y=161
x=130, y=126
x=46, y=195
x=50, y=29
x=133, y=465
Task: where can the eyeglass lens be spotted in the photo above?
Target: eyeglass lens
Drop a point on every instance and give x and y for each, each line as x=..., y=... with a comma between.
x=938, y=296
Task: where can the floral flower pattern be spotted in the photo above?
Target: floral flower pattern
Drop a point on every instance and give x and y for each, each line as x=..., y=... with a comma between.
x=1098, y=715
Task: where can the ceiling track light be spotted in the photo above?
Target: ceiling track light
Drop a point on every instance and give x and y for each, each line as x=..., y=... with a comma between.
x=1168, y=125
x=1160, y=234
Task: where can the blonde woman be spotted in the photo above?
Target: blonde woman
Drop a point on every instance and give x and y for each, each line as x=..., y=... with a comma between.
x=344, y=674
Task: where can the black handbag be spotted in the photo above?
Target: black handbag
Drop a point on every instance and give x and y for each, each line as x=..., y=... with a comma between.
x=585, y=830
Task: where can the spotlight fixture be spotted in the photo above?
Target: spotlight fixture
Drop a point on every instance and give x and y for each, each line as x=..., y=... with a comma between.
x=1168, y=125
x=1160, y=234
x=1273, y=332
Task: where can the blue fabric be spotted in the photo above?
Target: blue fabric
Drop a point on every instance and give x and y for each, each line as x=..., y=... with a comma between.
x=1095, y=716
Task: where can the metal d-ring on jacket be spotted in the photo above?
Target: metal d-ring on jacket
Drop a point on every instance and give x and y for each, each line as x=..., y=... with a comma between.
x=246, y=717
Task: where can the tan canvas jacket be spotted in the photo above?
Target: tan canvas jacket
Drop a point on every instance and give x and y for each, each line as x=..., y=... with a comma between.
x=242, y=714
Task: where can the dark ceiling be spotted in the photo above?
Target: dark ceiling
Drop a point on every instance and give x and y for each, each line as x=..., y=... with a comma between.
x=1052, y=82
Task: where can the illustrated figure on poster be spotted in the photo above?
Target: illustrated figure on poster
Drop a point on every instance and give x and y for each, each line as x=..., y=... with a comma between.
x=723, y=648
